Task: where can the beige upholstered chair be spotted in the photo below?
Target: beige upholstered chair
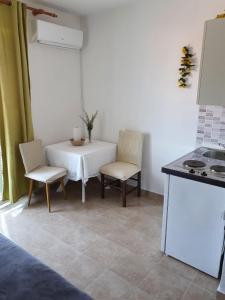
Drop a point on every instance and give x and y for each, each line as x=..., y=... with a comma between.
x=128, y=164
x=36, y=170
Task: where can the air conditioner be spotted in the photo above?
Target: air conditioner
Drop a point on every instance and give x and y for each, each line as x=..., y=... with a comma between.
x=57, y=35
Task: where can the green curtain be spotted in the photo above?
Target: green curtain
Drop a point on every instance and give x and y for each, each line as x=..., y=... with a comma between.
x=15, y=104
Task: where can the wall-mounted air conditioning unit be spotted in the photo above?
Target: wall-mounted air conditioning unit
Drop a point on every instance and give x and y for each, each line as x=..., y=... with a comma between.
x=57, y=35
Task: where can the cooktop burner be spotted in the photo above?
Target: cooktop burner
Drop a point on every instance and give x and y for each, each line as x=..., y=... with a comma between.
x=217, y=169
x=194, y=164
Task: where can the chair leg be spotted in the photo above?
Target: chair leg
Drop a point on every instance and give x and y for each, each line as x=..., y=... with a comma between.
x=63, y=187
x=30, y=190
x=139, y=185
x=47, y=196
x=102, y=186
x=124, y=192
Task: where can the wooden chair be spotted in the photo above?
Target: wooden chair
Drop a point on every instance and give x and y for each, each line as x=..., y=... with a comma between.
x=127, y=166
x=36, y=170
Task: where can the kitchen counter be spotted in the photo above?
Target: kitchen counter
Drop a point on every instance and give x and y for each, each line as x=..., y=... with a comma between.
x=194, y=210
x=177, y=168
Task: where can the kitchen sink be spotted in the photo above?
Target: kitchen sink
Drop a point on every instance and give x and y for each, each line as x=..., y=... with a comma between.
x=215, y=154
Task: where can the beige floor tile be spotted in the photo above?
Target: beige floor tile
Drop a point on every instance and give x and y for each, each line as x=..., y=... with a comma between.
x=179, y=268
x=197, y=293
x=105, y=251
x=136, y=241
x=30, y=239
x=206, y=282
x=110, y=286
x=169, y=293
x=132, y=267
x=138, y=294
x=80, y=238
x=105, y=222
x=82, y=271
x=163, y=284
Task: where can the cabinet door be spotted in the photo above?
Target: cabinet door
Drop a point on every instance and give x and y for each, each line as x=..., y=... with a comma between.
x=195, y=225
x=212, y=74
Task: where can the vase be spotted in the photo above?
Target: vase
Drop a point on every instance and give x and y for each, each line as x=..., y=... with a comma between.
x=89, y=136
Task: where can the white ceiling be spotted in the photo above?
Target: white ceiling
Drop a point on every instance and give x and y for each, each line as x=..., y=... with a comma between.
x=83, y=7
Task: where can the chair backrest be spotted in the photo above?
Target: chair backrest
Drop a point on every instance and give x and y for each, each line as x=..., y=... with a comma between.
x=130, y=147
x=32, y=154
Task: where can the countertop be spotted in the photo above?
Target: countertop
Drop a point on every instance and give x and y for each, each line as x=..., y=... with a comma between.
x=176, y=168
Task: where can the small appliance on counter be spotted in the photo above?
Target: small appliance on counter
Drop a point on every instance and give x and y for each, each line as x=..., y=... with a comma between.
x=194, y=209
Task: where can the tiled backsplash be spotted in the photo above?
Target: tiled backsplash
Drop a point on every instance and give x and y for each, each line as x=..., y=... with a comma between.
x=211, y=125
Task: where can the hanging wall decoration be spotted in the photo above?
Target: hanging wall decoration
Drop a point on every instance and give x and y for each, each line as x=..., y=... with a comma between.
x=187, y=65
x=220, y=16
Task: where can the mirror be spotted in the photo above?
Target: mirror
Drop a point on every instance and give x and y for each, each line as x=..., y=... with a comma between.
x=211, y=90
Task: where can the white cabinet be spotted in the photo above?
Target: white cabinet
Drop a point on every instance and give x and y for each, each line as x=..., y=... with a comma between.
x=193, y=226
x=212, y=73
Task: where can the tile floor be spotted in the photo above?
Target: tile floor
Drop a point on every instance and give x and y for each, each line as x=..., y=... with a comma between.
x=106, y=250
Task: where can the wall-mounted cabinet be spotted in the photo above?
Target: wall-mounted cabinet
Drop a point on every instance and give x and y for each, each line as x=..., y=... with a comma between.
x=211, y=89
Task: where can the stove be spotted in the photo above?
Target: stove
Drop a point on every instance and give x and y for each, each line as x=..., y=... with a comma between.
x=193, y=163
x=217, y=169
x=196, y=164
x=194, y=205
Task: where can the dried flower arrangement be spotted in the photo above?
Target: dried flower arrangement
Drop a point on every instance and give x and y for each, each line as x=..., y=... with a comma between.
x=89, y=122
x=220, y=16
x=186, y=66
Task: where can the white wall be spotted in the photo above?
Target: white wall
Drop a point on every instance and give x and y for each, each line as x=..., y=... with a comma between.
x=130, y=73
x=55, y=85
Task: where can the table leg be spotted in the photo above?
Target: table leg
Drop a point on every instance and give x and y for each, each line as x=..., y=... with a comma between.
x=59, y=189
x=83, y=191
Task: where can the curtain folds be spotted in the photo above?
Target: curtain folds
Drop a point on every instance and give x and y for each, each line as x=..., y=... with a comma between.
x=15, y=104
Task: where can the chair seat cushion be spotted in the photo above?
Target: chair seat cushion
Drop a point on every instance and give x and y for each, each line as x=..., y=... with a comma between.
x=120, y=170
x=46, y=174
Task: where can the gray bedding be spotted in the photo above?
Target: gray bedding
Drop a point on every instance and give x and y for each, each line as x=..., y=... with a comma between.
x=23, y=277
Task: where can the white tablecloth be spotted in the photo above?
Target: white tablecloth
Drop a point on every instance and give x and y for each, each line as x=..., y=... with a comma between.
x=82, y=162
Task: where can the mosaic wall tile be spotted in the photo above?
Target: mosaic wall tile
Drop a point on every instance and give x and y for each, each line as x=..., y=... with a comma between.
x=211, y=125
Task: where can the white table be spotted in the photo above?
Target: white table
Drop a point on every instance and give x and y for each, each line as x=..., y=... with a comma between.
x=81, y=162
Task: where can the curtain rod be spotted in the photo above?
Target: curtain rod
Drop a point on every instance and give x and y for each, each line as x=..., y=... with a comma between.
x=35, y=11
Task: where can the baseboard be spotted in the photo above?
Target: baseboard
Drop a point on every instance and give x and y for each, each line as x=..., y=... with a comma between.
x=152, y=195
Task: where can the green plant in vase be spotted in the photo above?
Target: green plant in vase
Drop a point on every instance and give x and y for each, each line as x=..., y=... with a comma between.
x=89, y=122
